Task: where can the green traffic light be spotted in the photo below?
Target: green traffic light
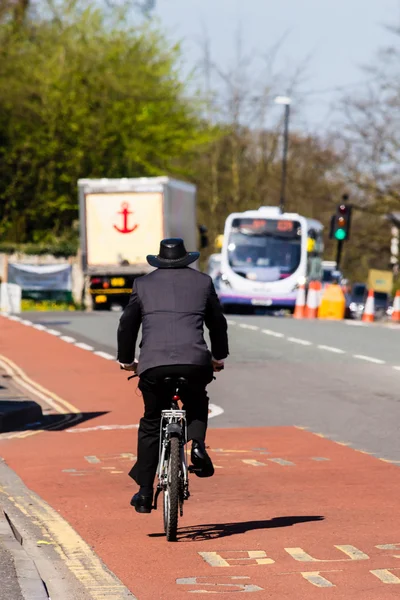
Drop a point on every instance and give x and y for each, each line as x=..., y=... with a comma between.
x=340, y=234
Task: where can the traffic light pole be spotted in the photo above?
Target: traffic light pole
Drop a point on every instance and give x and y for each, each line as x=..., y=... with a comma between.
x=339, y=253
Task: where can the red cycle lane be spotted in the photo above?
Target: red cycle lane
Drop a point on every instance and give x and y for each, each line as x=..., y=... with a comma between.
x=286, y=513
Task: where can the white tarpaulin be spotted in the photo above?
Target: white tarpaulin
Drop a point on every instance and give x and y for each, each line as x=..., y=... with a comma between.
x=10, y=298
x=41, y=277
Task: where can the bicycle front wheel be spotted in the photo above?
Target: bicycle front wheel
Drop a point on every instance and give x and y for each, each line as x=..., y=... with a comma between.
x=171, y=493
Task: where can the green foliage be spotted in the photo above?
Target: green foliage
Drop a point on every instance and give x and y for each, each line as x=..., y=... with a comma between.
x=83, y=97
x=57, y=248
x=47, y=305
x=82, y=94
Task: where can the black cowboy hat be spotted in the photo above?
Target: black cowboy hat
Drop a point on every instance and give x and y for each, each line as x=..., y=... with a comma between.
x=172, y=255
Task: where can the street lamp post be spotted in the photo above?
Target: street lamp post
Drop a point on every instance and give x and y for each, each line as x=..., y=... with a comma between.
x=286, y=102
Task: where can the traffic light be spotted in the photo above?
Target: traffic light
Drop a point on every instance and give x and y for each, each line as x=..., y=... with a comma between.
x=340, y=224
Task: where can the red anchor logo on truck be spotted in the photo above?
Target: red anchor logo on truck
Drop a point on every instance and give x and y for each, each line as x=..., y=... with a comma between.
x=125, y=212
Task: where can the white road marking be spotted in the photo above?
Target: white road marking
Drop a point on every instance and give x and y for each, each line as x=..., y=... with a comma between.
x=13, y=318
x=105, y=355
x=84, y=346
x=245, y=326
x=356, y=323
x=331, y=349
x=40, y=327
x=25, y=322
x=67, y=338
x=273, y=333
x=299, y=341
x=53, y=332
x=101, y=428
x=230, y=322
x=215, y=411
x=376, y=361
x=396, y=368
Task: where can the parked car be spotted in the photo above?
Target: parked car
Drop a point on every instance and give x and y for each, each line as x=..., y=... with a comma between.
x=382, y=304
x=330, y=273
x=355, y=302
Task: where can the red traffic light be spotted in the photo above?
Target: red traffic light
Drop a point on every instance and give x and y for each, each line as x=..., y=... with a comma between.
x=343, y=208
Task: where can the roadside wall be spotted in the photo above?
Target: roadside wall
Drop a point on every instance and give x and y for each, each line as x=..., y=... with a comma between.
x=46, y=259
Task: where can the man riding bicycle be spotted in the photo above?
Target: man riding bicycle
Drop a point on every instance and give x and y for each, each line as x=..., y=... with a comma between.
x=172, y=304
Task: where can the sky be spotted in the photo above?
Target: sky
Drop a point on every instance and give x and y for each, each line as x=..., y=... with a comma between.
x=331, y=39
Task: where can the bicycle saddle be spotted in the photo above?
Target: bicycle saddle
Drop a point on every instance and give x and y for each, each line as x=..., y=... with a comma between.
x=175, y=380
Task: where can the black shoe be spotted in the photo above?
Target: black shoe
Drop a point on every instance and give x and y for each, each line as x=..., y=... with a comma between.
x=142, y=504
x=202, y=463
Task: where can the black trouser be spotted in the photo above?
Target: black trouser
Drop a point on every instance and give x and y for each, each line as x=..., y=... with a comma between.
x=157, y=398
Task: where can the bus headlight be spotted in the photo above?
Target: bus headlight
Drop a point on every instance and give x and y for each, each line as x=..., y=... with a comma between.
x=225, y=280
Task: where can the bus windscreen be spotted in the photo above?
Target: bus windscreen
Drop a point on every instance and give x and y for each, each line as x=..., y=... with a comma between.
x=264, y=249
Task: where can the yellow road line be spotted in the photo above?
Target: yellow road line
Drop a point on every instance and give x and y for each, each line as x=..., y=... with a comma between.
x=74, y=552
x=50, y=398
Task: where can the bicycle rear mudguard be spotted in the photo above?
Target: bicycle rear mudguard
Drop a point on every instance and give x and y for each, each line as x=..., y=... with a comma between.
x=175, y=430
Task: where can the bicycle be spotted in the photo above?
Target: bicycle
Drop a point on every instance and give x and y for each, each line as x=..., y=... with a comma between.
x=173, y=471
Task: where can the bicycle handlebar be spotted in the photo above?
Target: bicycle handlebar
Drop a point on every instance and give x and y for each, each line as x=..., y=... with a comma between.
x=136, y=375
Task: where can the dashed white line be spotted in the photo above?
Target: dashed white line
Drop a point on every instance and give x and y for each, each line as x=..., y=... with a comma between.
x=331, y=349
x=40, y=327
x=14, y=318
x=252, y=327
x=83, y=346
x=396, y=368
x=67, y=338
x=104, y=355
x=273, y=333
x=25, y=322
x=103, y=428
x=54, y=332
x=230, y=322
x=376, y=361
x=299, y=341
x=215, y=411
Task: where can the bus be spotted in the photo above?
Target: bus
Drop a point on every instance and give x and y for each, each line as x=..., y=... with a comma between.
x=265, y=256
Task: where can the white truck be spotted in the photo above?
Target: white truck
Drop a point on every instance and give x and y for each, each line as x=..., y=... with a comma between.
x=122, y=221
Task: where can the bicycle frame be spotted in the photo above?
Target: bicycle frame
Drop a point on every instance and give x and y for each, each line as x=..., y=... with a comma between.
x=173, y=424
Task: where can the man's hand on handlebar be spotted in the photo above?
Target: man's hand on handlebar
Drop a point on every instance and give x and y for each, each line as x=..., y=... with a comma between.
x=218, y=365
x=130, y=367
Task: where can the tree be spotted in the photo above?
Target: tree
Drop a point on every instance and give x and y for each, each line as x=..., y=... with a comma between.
x=241, y=169
x=370, y=144
x=84, y=97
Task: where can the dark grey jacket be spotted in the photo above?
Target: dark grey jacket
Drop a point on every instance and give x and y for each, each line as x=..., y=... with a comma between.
x=172, y=306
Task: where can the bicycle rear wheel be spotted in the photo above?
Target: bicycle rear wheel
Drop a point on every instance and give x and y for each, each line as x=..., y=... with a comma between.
x=171, y=493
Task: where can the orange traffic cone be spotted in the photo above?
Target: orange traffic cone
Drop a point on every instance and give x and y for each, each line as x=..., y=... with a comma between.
x=396, y=308
x=369, y=310
x=320, y=292
x=300, y=302
x=312, y=300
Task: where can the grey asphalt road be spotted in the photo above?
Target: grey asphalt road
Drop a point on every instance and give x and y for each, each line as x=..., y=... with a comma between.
x=334, y=378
